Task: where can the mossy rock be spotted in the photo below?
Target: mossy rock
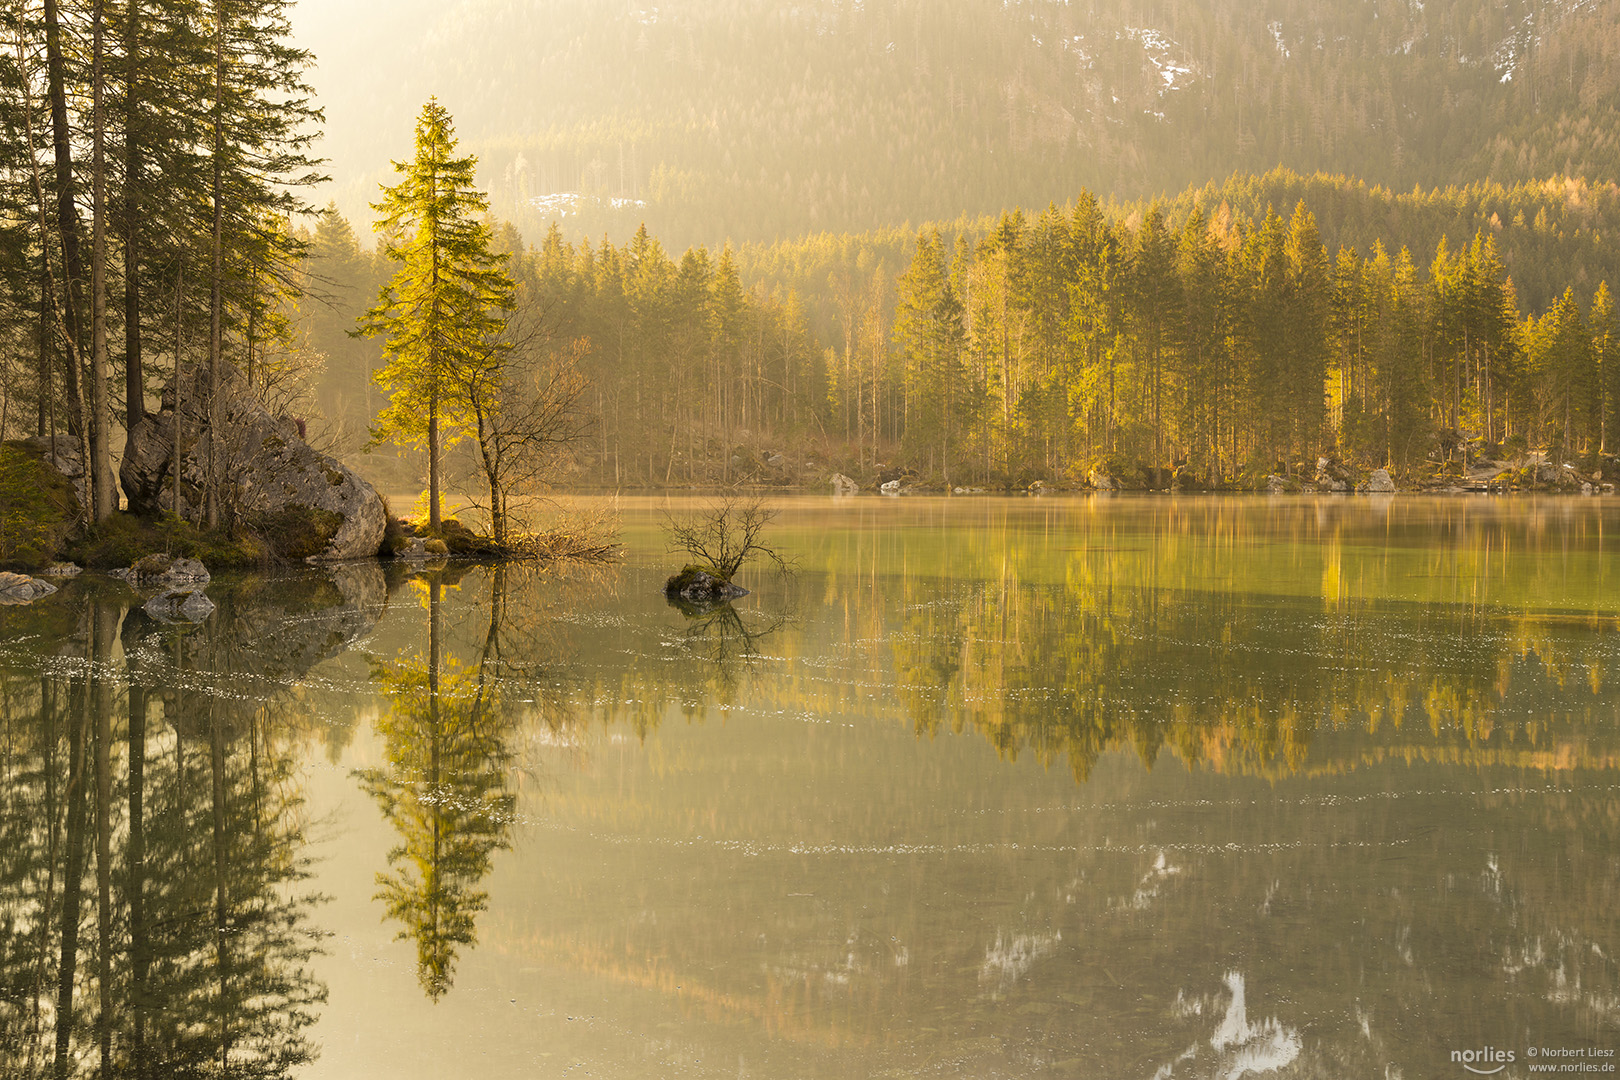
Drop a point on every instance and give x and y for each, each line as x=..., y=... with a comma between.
x=39, y=509
x=151, y=565
x=460, y=540
x=297, y=532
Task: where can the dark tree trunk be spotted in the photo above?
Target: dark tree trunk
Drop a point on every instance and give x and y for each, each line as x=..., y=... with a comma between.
x=67, y=217
x=134, y=374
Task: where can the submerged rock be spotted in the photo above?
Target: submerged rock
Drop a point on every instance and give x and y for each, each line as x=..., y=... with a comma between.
x=180, y=605
x=306, y=504
x=22, y=589
x=697, y=586
x=63, y=569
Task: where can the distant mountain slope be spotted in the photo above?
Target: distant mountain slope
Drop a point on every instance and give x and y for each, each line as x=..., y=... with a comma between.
x=754, y=119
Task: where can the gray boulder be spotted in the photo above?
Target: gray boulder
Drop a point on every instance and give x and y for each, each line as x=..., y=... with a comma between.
x=1102, y=481
x=843, y=485
x=307, y=504
x=1379, y=483
x=1331, y=475
x=165, y=572
x=22, y=589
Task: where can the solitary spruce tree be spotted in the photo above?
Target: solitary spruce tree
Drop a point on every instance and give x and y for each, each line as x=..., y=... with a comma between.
x=441, y=316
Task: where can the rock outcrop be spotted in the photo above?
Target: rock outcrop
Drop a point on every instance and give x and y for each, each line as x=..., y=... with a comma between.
x=843, y=485
x=63, y=454
x=306, y=504
x=22, y=589
x=1331, y=475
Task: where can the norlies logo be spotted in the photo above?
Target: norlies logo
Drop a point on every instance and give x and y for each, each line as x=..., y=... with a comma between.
x=1486, y=1061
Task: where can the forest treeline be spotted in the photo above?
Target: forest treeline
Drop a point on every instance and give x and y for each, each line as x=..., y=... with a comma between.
x=151, y=173
x=1197, y=334
x=152, y=157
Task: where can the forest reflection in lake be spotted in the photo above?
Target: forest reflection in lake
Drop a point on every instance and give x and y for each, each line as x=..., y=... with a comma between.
x=989, y=787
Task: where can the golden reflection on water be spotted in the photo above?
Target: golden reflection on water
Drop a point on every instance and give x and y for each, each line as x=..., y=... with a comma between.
x=989, y=787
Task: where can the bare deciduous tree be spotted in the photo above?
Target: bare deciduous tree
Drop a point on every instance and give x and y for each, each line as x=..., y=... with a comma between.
x=726, y=535
x=526, y=407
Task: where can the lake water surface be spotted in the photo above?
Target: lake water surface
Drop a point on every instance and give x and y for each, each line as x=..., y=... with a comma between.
x=1059, y=787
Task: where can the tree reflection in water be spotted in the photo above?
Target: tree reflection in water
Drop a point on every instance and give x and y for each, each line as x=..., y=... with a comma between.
x=445, y=789
x=152, y=841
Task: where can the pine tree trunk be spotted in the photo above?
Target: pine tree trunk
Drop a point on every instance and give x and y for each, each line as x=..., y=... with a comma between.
x=434, y=515
x=99, y=468
x=46, y=385
x=216, y=284
x=67, y=225
x=134, y=375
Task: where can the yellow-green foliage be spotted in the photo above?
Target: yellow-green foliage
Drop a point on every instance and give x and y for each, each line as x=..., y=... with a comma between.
x=38, y=508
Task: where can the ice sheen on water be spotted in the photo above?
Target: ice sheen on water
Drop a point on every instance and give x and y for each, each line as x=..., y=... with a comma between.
x=989, y=788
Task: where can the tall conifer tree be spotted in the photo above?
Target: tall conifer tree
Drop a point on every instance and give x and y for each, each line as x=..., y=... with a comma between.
x=443, y=311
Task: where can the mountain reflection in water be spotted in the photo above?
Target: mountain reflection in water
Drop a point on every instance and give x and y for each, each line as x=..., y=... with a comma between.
x=1152, y=788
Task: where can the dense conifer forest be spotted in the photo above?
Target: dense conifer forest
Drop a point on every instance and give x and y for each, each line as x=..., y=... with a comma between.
x=1219, y=334
x=159, y=161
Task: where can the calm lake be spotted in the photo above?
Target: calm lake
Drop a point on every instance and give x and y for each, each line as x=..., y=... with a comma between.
x=1059, y=787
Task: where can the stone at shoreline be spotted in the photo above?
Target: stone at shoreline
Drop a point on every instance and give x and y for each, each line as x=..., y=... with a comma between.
x=892, y=487
x=1379, y=483
x=306, y=504
x=62, y=569
x=165, y=572
x=1102, y=481
x=22, y=589
x=701, y=587
x=843, y=485
x=1331, y=475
